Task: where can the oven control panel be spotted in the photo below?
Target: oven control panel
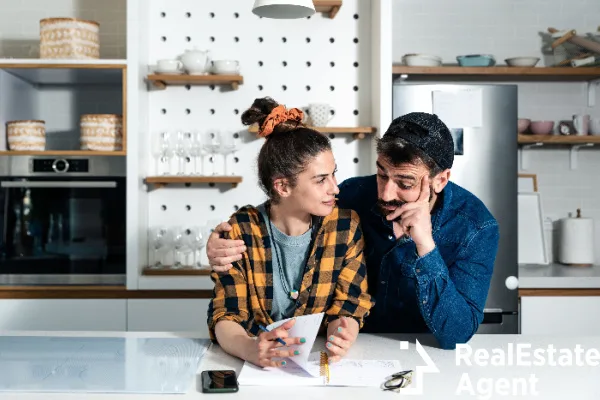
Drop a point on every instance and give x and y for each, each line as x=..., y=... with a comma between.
x=60, y=165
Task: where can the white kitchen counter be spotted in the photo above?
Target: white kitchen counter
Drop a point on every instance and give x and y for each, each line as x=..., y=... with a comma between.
x=549, y=382
x=558, y=276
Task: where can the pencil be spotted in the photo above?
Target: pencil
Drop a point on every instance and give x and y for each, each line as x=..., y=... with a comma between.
x=262, y=328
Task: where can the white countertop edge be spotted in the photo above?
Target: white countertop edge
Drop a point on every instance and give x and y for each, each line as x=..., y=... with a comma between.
x=558, y=276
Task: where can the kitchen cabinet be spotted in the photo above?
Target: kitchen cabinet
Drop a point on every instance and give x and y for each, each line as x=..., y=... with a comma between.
x=560, y=315
x=63, y=314
x=168, y=315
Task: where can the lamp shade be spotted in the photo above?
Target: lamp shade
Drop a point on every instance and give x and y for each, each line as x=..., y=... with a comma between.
x=283, y=9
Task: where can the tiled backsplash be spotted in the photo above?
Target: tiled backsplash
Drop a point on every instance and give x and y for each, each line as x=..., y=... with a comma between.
x=20, y=30
x=510, y=28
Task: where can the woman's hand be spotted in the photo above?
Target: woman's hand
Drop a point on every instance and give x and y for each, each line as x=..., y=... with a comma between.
x=267, y=351
x=341, y=335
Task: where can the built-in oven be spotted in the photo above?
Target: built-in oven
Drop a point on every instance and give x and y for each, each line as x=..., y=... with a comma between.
x=62, y=220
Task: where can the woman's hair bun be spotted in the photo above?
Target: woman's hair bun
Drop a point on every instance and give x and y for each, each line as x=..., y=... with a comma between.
x=260, y=111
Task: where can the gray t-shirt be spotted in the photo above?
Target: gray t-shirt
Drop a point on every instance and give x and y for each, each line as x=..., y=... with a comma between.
x=290, y=254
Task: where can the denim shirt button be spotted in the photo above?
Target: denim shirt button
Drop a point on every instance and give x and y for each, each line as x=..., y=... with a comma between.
x=418, y=270
x=383, y=282
x=424, y=301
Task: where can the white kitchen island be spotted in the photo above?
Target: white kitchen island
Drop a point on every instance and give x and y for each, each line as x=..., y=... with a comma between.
x=485, y=378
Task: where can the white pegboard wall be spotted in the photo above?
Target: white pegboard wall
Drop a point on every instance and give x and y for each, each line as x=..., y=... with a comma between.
x=296, y=62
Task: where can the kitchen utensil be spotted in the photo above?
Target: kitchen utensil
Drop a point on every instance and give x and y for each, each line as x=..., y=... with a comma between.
x=26, y=135
x=196, y=62
x=476, y=60
x=582, y=124
x=523, y=124
x=573, y=50
x=522, y=61
x=541, y=127
x=226, y=67
x=101, y=132
x=69, y=38
x=320, y=114
x=421, y=60
x=168, y=66
x=576, y=241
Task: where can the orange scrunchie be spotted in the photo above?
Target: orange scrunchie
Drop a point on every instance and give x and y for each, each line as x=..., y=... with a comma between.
x=278, y=115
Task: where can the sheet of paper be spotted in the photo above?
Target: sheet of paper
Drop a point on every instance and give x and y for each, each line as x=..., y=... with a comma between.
x=459, y=109
x=306, y=326
x=347, y=372
x=289, y=375
x=369, y=373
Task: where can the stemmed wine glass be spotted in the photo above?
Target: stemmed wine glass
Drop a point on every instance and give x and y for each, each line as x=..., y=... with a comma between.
x=197, y=242
x=162, y=152
x=160, y=242
x=212, y=146
x=228, y=147
x=197, y=152
x=179, y=246
x=181, y=148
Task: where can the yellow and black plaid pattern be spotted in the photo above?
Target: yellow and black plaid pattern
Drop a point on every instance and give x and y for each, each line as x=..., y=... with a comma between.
x=334, y=280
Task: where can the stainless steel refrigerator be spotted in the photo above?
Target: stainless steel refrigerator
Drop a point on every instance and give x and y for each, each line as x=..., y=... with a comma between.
x=485, y=163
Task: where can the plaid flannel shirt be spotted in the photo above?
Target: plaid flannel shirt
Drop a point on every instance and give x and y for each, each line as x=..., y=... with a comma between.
x=334, y=280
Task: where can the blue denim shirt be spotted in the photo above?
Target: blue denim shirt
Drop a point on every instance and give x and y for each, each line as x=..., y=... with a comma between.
x=443, y=292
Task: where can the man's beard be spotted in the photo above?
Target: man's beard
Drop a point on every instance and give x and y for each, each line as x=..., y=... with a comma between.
x=397, y=203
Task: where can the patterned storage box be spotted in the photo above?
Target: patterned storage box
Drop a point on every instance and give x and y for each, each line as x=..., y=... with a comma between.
x=26, y=135
x=69, y=38
x=101, y=132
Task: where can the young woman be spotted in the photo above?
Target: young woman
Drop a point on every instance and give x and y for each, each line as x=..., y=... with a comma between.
x=304, y=255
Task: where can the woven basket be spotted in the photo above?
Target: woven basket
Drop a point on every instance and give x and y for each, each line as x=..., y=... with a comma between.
x=26, y=135
x=69, y=38
x=101, y=132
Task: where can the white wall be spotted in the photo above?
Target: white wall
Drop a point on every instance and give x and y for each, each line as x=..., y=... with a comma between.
x=509, y=28
x=20, y=30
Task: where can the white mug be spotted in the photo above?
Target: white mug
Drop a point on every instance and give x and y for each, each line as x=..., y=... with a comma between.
x=595, y=126
x=169, y=66
x=582, y=124
x=320, y=114
x=226, y=67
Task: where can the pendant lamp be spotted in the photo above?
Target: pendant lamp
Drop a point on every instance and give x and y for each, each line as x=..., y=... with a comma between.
x=284, y=9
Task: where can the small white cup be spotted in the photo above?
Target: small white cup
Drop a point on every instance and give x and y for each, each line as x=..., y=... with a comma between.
x=226, y=67
x=582, y=124
x=320, y=114
x=169, y=66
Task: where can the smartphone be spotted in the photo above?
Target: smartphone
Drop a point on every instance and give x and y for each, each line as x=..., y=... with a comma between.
x=224, y=381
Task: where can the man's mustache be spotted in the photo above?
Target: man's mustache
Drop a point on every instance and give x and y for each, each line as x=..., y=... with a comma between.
x=393, y=203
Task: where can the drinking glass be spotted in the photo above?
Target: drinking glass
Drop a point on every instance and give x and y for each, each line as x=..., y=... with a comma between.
x=179, y=246
x=160, y=239
x=212, y=144
x=228, y=149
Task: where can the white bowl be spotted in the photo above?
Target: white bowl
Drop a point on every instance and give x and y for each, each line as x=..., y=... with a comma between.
x=226, y=67
x=422, y=60
x=522, y=61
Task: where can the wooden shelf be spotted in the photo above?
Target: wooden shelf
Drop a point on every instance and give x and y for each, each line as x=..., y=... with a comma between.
x=359, y=132
x=161, y=181
x=66, y=72
x=161, y=81
x=51, y=153
x=500, y=73
x=558, y=139
x=329, y=7
x=176, y=272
